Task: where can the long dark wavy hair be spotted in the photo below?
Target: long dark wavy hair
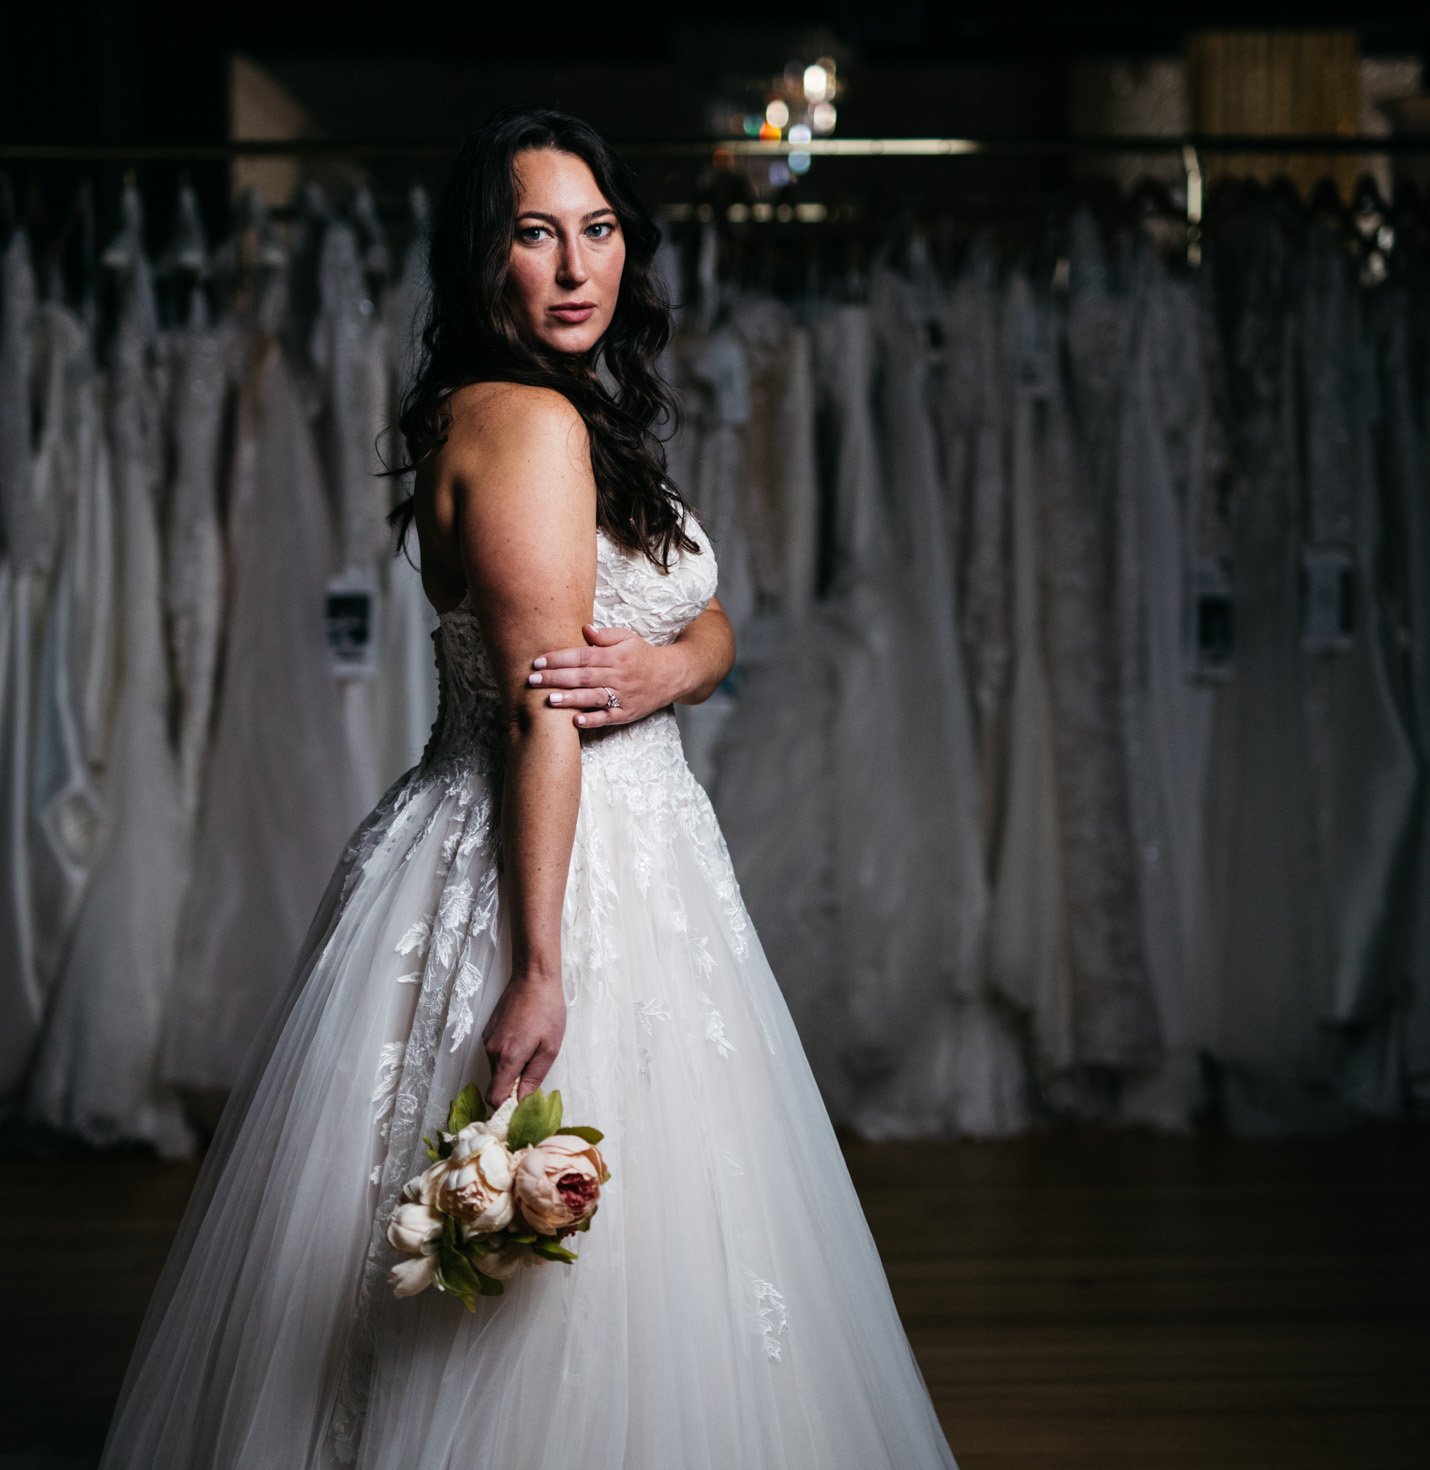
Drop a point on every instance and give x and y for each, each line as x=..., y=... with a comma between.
x=472, y=333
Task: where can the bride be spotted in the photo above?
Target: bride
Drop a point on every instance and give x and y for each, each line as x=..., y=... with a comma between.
x=545, y=900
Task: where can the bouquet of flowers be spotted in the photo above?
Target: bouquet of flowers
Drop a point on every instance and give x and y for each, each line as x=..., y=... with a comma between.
x=502, y=1193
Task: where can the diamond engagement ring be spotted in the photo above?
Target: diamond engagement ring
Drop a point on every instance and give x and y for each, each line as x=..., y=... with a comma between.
x=611, y=701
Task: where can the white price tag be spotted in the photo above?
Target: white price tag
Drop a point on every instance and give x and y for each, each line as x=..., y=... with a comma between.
x=351, y=617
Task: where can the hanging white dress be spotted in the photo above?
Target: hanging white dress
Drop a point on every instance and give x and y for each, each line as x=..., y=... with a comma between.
x=21, y=564
x=349, y=350
x=1403, y=463
x=276, y=796
x=1161, y=452
x=1029, y=961
x=406, y=681
x=67, y=812
x=1363, y=763
x=729, y=1308
x=1114, y=1016
x=1266, y=940
x=198, y=358
x=98, y=1072
x=971, y=403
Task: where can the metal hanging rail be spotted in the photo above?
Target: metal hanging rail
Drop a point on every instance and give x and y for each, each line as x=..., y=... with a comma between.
x=378, y=148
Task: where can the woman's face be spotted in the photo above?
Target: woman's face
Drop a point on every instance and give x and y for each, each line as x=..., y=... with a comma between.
x=568, y=254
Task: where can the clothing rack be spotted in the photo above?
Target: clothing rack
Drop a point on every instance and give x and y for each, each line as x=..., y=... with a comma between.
x=388, y=148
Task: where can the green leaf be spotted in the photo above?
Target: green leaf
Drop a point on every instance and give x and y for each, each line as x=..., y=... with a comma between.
x=528, y=1239
x=455, y=1274
x=467, y=1107
x=488, y=1285
x=553, y=1250
x=591, y=1135
x=536, y=1117
x=586, y=1223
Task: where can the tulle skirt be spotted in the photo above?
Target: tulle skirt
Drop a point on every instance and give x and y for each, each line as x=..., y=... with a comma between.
x=728, y=1309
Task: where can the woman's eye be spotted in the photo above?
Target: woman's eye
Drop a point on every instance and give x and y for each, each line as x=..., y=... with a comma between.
x=531, y=233
x=601, y=231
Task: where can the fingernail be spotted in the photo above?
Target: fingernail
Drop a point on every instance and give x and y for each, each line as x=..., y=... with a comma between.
x=534, y=678
x=539, y=663
x=556, y=698
x=580, y=719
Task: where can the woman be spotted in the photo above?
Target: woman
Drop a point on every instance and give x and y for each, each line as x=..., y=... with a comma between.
x=728, y=1310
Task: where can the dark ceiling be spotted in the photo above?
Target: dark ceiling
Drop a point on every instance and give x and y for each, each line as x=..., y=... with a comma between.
x=152, y=70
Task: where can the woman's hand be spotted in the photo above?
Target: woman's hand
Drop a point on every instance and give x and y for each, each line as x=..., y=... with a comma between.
x=643, y=676
x=524, y=1035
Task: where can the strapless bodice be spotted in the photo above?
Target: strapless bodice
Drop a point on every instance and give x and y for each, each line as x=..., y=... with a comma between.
x=631, y=592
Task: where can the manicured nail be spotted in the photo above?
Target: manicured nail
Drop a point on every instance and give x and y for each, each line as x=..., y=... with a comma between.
x=580, y=719
x=533, y=678
x=539, y=663
x=557, y=698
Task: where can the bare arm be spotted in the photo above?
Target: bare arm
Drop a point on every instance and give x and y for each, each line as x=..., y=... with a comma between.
x=645, y=677
x=525, y=505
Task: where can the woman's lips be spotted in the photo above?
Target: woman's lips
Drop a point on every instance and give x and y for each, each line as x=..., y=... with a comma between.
x=573, y=312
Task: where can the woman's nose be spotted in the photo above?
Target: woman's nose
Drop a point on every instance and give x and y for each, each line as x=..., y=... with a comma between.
x=571, y=265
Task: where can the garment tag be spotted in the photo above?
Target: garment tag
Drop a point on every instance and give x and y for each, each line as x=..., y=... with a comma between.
x=1328, y=578
x=1213, y=623
x=352, y=628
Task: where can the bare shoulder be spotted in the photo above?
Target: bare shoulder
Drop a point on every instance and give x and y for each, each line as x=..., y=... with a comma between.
x=496, y=423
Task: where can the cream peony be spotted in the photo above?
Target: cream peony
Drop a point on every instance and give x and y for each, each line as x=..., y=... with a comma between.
x=414, y=1228
x=558, y=1182
x=477, y=1189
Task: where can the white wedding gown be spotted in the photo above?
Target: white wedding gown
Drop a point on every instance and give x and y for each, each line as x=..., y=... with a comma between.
x=729, y=1308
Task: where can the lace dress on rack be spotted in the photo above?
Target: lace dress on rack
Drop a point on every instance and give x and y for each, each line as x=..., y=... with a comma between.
x=406, y=682
x=970, y=398
x=729, y=1308
x=1028, y=956
x=1364, y=770
x=276, y=797
x=21, y=600
x=933, y=1054
x=1266, y=940
x=349, y=351
x=773, y=766
x=66, y=807
x=1114, y=1016
x=1161, y=468
x=98, y=1071
x=1403, y=468
x=198, y=359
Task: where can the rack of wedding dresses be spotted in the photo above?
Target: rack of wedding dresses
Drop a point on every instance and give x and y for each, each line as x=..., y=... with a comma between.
x=1074, y=764
x=212, y=664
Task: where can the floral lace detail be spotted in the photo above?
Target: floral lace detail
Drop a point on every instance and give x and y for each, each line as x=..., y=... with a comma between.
x=769, y=1316
x=644, y=766
x=631, y=593
x=455, y=945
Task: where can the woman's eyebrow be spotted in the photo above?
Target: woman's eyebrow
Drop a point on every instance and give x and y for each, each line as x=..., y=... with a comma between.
x=552, y=219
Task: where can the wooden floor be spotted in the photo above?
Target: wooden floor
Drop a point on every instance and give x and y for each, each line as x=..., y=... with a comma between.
x=1077, y=1300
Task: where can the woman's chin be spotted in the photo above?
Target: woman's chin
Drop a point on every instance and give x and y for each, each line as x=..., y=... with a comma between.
x=571, y=340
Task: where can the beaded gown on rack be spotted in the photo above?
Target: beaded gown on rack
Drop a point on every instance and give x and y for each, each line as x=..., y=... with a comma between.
x=729, y=1308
